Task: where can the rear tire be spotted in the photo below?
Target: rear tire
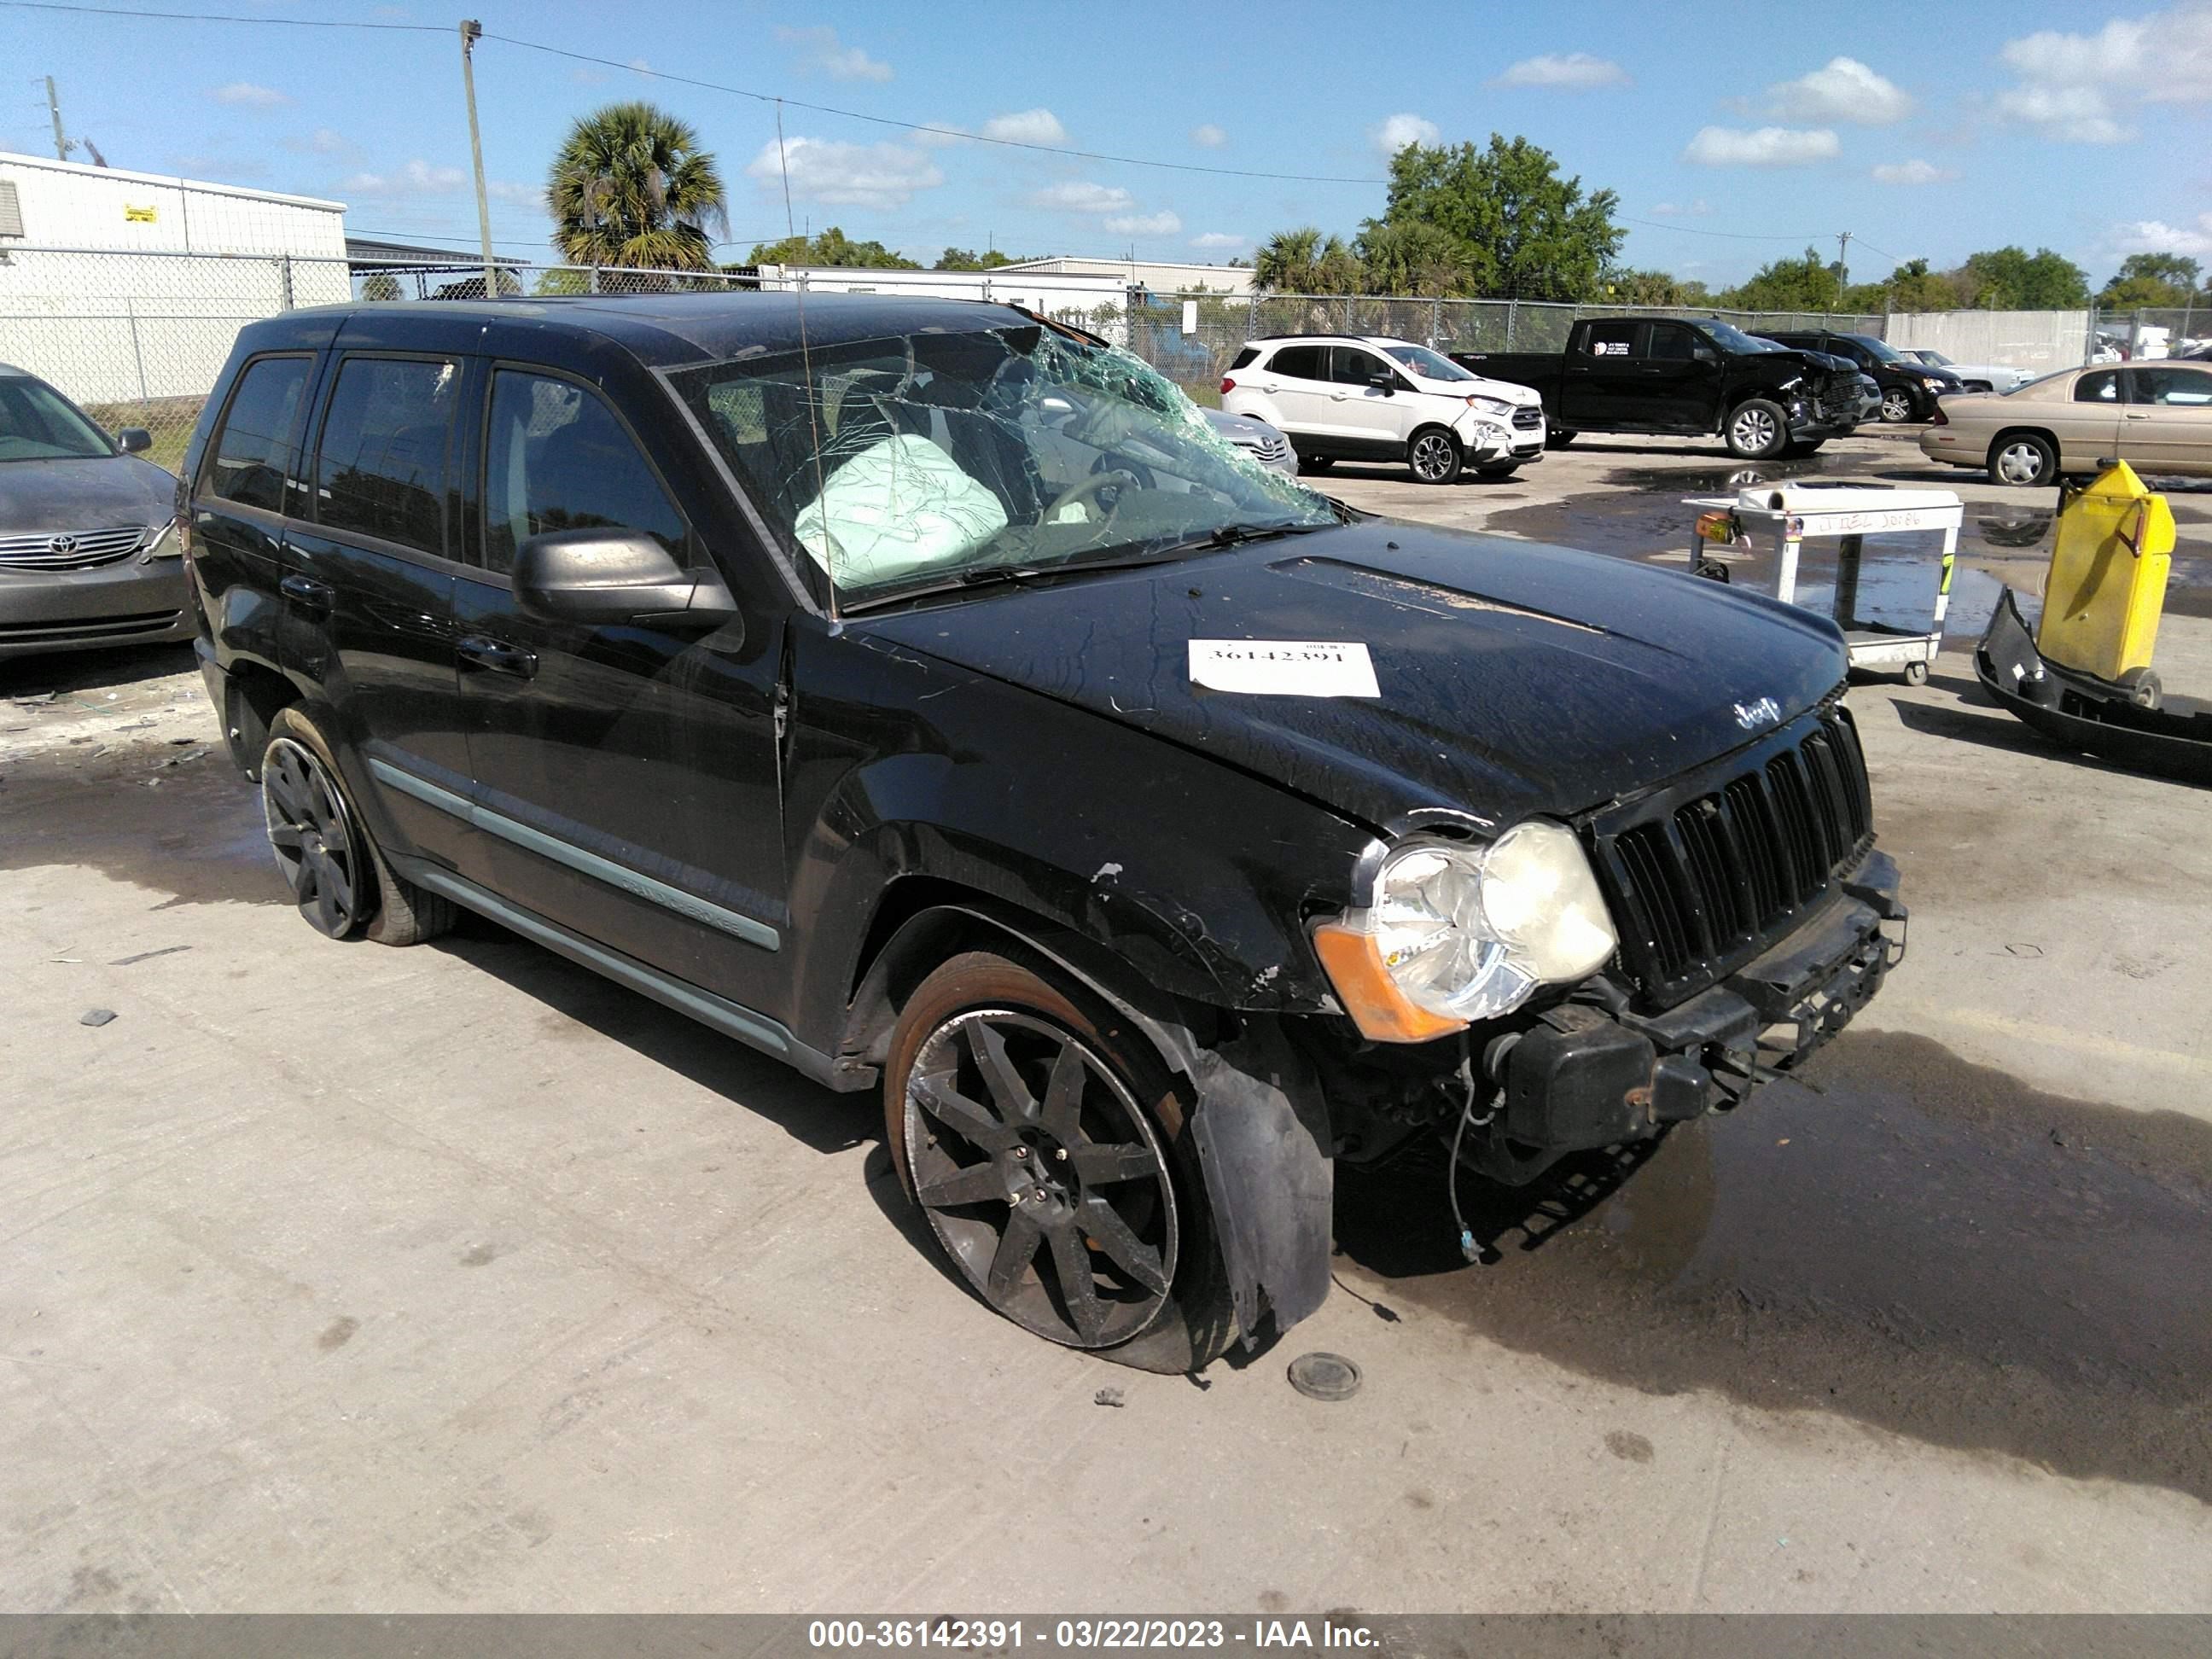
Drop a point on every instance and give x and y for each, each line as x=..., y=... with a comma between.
x=1434, y=456
x=1051, y=1154
x=2025, y=460
x=338, y=877
x=1757, y=430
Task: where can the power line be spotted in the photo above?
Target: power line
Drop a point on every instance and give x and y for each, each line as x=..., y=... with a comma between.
x=1693, y=230
x=949, y=133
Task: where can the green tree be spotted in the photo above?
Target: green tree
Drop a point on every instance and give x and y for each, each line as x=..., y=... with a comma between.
x=961, y=258
x=1913, y=287
x=1523, y=231
x=1650, y=288
x=1303, y=261
x=1801, y=284
x=1413, y=257
x=380, y=285
x=2012, y=279
x=831, y=247
x=2152, y=279
x=630, y=186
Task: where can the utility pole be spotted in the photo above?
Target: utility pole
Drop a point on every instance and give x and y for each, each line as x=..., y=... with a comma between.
x=54, y=109
x=470, y=30
x=1843, y=264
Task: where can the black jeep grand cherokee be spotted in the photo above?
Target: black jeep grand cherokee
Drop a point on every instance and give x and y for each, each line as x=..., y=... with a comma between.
x=919, y=691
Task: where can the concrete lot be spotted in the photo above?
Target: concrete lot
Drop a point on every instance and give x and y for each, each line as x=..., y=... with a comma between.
x=454, y=1278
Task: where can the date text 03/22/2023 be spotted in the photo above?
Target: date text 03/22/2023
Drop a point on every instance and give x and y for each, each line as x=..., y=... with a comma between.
x=1007, y=1635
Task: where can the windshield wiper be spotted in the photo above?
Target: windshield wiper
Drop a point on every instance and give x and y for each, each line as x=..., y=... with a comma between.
x=1232, y=535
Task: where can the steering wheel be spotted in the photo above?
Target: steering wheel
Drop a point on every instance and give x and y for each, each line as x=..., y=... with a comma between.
x=1083, y=489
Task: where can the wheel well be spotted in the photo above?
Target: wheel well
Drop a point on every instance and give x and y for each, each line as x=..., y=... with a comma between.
x=254, y=693
x=2011, y=431
x=1432, y=425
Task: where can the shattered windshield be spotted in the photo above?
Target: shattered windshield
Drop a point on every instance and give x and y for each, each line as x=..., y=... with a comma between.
x=1429, y=365
x=912, y=460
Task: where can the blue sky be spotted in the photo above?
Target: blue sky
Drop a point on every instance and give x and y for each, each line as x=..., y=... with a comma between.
x=1732, y=132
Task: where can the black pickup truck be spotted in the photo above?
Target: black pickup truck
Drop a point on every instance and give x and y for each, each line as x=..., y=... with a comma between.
x=1660, y=374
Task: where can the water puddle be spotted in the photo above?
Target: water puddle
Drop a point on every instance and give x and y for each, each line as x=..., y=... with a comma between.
x=1924, y=1245
x=191, y=831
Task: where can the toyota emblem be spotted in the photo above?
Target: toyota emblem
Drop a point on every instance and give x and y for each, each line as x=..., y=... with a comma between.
x=64, y=545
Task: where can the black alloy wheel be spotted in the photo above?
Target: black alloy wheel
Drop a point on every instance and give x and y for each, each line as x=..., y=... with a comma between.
x=1042, y=1177
x=312, y=832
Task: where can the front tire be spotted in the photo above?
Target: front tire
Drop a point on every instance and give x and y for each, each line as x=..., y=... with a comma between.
x=1896, y=407
x=1434, y=456
x=1757, y=430
x=338, y=877
x=2026, y=460
x=1050, y=1152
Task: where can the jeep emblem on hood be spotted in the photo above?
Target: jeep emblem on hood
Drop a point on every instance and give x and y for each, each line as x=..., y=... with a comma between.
x=1752, y=715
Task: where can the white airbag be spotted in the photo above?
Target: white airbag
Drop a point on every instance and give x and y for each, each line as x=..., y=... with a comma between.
x=899, y=505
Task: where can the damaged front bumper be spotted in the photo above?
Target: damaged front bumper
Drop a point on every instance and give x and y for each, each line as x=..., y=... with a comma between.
x=1588, y=1075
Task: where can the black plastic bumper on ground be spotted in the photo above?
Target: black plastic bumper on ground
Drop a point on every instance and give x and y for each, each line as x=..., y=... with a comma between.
x=1583, y=1078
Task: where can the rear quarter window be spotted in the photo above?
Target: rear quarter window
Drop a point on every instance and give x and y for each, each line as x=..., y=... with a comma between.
x=1303, y=362
x=254, y=445
x=1244, y=357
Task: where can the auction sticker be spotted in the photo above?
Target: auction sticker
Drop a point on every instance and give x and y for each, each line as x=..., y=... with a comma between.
x=1284, y=668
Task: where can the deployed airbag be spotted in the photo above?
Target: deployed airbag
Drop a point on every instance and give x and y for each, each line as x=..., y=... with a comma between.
x=900, y=505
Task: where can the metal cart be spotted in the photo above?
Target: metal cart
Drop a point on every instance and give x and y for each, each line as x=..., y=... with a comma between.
x=1789, y=515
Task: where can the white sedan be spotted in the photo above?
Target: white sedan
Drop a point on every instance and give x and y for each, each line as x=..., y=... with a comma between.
x=1978, y=377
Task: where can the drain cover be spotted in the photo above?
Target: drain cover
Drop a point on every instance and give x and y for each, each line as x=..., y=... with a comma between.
x=1324, y=1377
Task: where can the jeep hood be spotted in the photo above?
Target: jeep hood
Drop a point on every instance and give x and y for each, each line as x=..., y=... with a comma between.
x=1515, y=677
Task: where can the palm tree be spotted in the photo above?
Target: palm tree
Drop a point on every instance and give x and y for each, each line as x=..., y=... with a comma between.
x=1286, y=260
x=631, y=186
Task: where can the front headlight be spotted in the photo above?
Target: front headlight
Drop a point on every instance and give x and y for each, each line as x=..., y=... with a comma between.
x=166, y=544
x=1932, y=383
x=1497, y=406
x=1460, y=932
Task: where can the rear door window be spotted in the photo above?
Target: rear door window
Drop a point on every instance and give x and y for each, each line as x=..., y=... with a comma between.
x=1300, y=363
x=255, y=445
x=1672, y=342
x=382, y=468
x=2102, y=387
x=1611, y=340
x=556, y=458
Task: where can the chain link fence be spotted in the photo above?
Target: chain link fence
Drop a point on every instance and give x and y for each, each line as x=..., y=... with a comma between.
x=138, y=338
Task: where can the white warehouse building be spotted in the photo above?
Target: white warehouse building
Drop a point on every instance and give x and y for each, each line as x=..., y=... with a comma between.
x=124, y=287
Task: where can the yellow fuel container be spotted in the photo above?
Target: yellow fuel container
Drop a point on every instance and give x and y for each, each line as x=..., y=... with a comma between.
x=2109, y=565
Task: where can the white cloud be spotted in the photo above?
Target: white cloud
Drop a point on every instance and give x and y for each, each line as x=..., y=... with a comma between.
x=1400, y=130
x=1766, y=147
x=2075, y=88
x=1029, y=127
x=323, y=141
x=1082, y=196
x=1575, y=70
x=2074, y=115
x=417, y=178
x=942, y=135
x=506, y=190
x=1697, y=208
x=1208, y=137
x=847, y=175
x=1845, y=90
x=1220, y=240
x=825, y=51
x=244, y=94
x=1915, y=171
x=1165, y=223
x=2155, y=236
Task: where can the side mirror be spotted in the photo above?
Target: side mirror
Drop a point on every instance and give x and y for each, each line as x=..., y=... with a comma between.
x=1385, y=383
x=1704, y=354
x=613, y=578
x=133, y=439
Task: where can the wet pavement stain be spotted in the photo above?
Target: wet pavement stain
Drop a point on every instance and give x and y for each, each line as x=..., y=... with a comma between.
x=191, y=831
x=1925, y=1246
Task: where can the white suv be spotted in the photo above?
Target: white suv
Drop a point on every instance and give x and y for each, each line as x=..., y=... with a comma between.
x=1368, y=398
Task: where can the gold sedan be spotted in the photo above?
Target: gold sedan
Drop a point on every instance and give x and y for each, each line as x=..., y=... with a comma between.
x=2156, y=416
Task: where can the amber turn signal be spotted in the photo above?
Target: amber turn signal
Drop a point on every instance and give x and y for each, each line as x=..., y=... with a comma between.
x=1363, y=985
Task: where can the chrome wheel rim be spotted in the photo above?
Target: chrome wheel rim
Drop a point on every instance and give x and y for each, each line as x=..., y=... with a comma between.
x=312, y=833
x=1432, y=456
x=1042, y=1177
x=2019, y=464
x=1754, y=429
x=1894, y=407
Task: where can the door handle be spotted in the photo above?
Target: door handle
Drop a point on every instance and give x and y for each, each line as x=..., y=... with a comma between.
x=309, y=594
x=2135, y=418
x=480, y=651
